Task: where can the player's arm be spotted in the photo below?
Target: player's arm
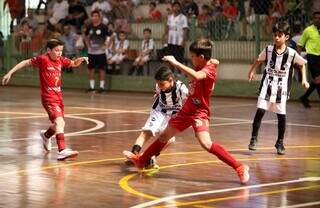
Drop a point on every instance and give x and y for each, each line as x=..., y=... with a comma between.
x=253, y=68
x=78, y=61
x=6, y=78
x=304, y=81
x=192, y=74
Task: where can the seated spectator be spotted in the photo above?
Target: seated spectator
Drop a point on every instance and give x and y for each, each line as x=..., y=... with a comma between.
x=147, y=47
x=190, y=8
x=205, y=16
x=33, y=23
x=111, y=39
x=154, y=13
x=58, y=14
x=105, y=8
x=119, y=51
x=77, y=15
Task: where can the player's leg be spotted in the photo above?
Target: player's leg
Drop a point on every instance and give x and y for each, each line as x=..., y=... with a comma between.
x=255, y=128
x=91, y=72
x=203, y=136
x=281, y=130
x=101, y=65
x=134, y=66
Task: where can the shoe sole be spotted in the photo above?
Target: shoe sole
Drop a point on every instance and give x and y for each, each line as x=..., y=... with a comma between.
x=69, y=156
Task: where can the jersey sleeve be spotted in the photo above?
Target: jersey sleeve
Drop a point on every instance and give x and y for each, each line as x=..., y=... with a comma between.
x=210, y=70
x=299, y=60
x=65, y=62
x=36, y=61
x=263, y=55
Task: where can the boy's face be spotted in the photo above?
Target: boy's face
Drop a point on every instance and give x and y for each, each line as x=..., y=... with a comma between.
x=280, y=38
x=146, y=35
x=95, y=18
x=122, y=36
x=165, y=85
x=56, y=52
x=198, y=61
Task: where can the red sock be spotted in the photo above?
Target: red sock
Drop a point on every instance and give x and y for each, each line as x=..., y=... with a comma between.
x=224, y=155
x=60, y=141
x=49, y=133
x=154, y=149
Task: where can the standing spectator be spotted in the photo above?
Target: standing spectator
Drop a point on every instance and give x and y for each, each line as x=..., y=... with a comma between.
x=58, y=14
x=190, y=8
x=33, y=23
x=147, y=48
x=96, y=34
x=69, y=39
x=77, y=15
x=111, y=39
x=176, y=32
x=242, y=18
x=104, y=7
x=230, y=13
x=205, y=15
x=16, y=9
x=154, y=13
x=23, y=38
x=120, y=49
x=276, y=11
x=45, y=3
x=310, y=40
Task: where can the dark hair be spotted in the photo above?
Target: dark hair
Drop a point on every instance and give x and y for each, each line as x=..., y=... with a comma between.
x=153, y=4
x=315, y=13
x=296, y=27
x=147, y=30
x=54, y=43
x=203, y=47
x=176, y=3
x=163, y=73
x=95, y=12
x=281, y=27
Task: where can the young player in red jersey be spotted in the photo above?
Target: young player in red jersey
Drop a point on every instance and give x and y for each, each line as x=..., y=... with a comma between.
x=50, y=65
x=195, y=112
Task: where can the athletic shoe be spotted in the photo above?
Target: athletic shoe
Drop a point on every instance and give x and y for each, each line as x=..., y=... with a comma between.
x=280, y=148
x=46, y=142
x=152, y=164
x=253, y=144
x=100, y=90
x=134, y=159
x=305, y=102
x=243, y=173
x=90, y=90
x=128, y=163
x=67, y=153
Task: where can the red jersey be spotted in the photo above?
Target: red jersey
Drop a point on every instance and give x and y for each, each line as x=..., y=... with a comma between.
x=50, y=76
x=197, y=104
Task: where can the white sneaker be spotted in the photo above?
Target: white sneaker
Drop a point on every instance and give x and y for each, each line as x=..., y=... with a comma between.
x=46, y=142
x=67, y=153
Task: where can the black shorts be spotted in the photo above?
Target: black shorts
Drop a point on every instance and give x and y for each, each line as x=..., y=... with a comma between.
x=314, y=65
x=176, y=51
x=97, y=61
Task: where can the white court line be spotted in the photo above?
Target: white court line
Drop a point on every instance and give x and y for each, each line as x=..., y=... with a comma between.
x=302, y=205
x=99, y=125
x=174, y=197
x=232, y=106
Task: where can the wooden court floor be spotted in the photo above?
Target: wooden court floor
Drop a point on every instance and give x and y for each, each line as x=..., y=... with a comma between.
x=100, y=127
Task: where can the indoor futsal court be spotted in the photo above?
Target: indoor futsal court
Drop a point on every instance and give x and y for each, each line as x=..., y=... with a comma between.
x=100, y=127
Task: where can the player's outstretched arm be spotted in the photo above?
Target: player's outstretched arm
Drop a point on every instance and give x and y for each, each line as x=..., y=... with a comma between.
x=192, y=74
x=304, y=81
x=78, y=61
x=6, y=78
x=252, y=70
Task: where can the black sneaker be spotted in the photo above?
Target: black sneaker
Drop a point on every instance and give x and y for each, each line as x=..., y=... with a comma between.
x=305, y=102
x=90, y=90
x=100, y=90
x=253, y=144
x=151, y=164
x=280, y=148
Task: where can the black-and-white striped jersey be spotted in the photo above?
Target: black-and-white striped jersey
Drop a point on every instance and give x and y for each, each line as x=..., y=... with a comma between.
x=171, y=102
x=276, y=81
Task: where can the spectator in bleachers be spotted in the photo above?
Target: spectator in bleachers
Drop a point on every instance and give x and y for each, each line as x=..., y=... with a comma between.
x=111, y=39
x=95, y=38
x=154, y=13
x=57, y=14
x=16, y=9
x=147, y=48
x=276, y=11
x=45, y=3
x=69, y=38
x=121, y=14
x=205, y=15
x=189, y=8
x=120, y=49
x=104, y=7
x=23, y=38
x=230, y=13
x=33, y=23
x=77, y=15
x=216, y=8
x=242, y=18
x=176, y=32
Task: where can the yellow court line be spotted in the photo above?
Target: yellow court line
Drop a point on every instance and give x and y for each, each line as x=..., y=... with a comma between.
x=124, y=182
x=237, y=197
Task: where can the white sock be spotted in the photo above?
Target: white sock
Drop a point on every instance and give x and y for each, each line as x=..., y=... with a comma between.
x=91, y=81
x=102, y=84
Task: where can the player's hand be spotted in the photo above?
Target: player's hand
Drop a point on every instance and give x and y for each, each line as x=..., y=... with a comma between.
x=250, y=76
x=6, y=78
x=305, y=84
x=170, y=59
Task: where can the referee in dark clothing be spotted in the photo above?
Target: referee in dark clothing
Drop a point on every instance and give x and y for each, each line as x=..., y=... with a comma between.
x=310, y=40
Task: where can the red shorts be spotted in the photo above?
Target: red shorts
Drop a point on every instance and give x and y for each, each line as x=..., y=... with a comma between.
x=54, y=109
x=182, y=122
